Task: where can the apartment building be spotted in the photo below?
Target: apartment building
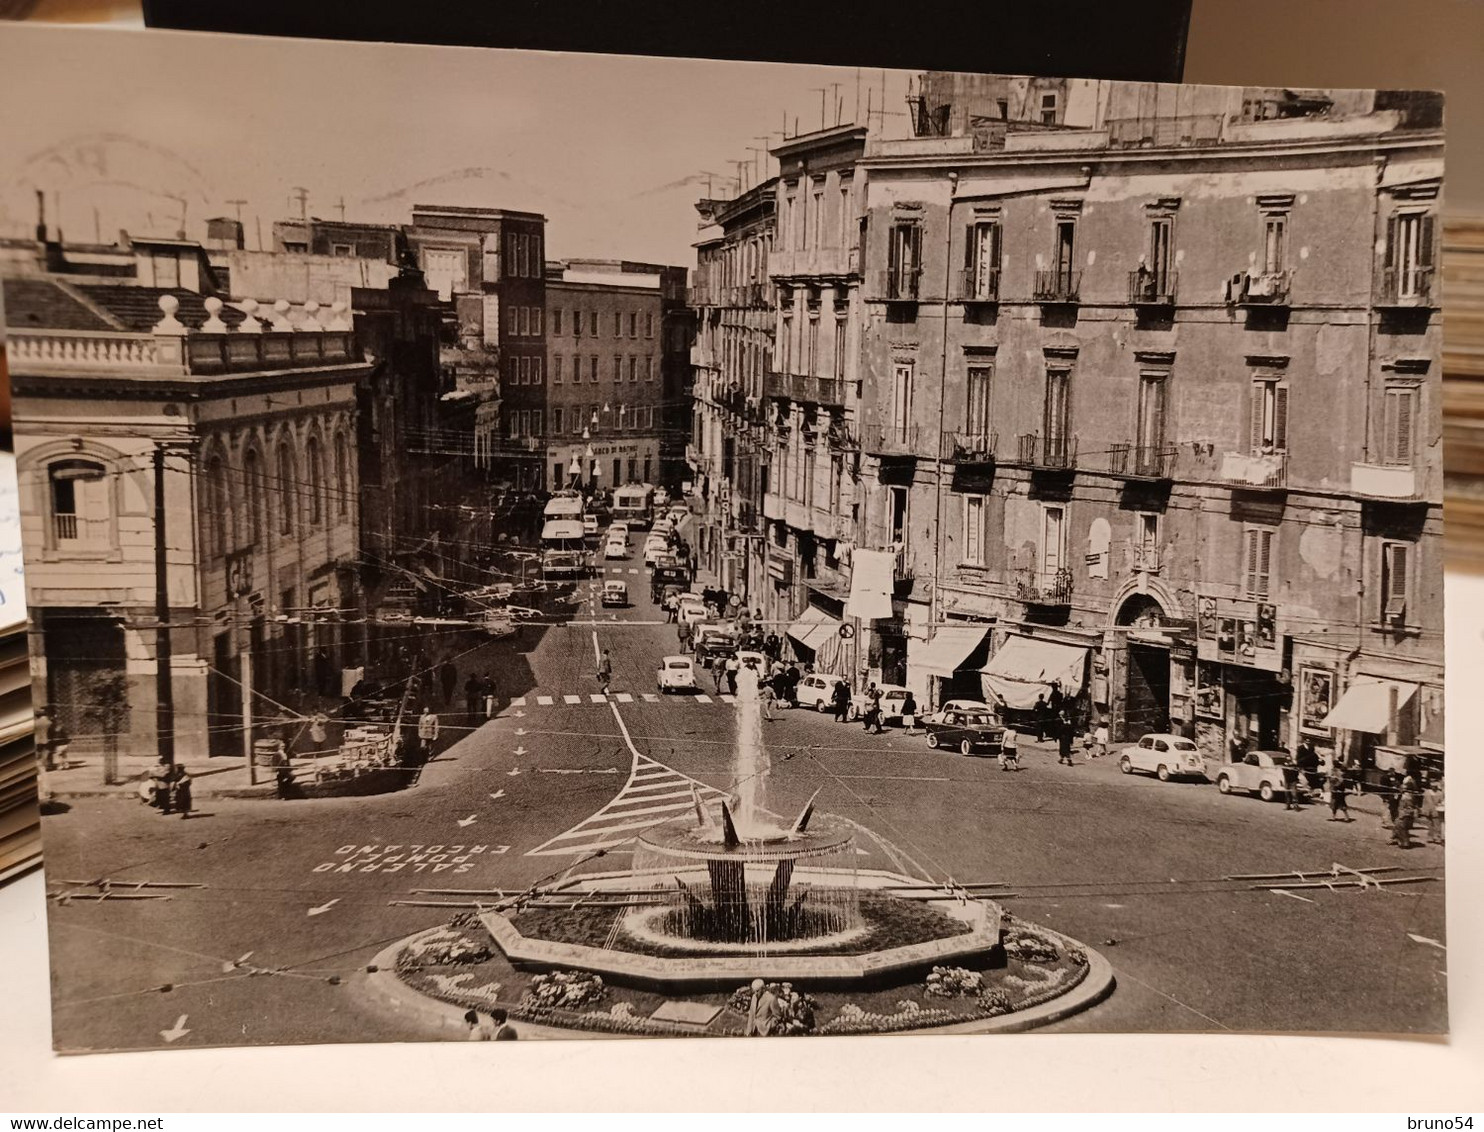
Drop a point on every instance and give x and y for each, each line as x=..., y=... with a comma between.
x=1150, y=410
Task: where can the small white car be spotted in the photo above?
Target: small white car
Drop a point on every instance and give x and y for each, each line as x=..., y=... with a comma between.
x=653, y=549
x=619, y=529
x=957, y=705
x=615, y=593
x=590, y=527
x=1166, y=756
x=662, y=527
x=892, y=697
x=817, y=691
x=679, y=513
x=661, y=496
x=691, y=609
x=616, y=548
x=676, y=674
x=1259, y=772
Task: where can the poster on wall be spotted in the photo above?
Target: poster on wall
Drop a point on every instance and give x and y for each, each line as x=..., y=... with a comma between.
x=1207, y=691
x=1316, y=698
x=1239, y=631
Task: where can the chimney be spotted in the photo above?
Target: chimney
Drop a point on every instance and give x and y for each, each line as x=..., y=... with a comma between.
x=40, y=217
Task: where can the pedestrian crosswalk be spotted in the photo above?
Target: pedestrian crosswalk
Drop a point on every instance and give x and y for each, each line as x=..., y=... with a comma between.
x=575, y=699
x=654, y=793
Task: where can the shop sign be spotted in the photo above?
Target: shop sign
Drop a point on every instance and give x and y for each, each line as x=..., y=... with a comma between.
x=1239, y=631
x=781, y=570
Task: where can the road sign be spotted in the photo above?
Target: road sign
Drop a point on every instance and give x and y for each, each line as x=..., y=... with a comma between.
x=846, y=632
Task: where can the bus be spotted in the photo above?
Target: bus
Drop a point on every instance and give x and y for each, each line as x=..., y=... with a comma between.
x=563, y=507
x=564, y=552
x=632, y=505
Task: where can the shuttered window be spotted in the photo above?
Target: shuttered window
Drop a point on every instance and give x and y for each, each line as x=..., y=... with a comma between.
x=1259, y=562
x=1397, y=422
x=974, y=530
x=1394, y=571
x=1269, y=416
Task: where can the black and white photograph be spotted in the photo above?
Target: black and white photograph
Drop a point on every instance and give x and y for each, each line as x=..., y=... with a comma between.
x=527, y=546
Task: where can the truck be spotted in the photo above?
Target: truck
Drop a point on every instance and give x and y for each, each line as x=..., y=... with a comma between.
x=632, y=504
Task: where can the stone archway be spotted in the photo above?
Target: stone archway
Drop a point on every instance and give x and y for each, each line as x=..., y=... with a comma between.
x=1139, y=670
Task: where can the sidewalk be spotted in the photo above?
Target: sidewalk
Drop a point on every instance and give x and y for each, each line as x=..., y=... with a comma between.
x=82, y=777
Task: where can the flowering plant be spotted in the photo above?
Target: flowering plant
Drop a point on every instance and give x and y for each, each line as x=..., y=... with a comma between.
x=851, y=1019
x=995, y=1002
x=1030, y=948
x=792, y=1011
x=444, y=949
x=953, y=982
x=564, y=990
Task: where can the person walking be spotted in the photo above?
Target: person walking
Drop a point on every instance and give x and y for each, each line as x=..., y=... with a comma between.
x=1291, y=775
x=605, y=671
x=1038, y=717
x=178, y=784
x=448, y=677
x=1432, y=809
x=472, y=697
x=1390, y=796
x=873, y=708
x=1065, y=734
x=1407, y=803
x=427, y=732
x=1339, y=787
x=733, y=666
x=909, y=713
x=487, y=694
x=1010, y=749
x=504, y=1031
x=841, y=699
x=1100, y=741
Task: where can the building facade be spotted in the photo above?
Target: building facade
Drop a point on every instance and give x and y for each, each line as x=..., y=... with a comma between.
x=1151, y=408
x=733, y=351
x=606, y=395
x=246, y=416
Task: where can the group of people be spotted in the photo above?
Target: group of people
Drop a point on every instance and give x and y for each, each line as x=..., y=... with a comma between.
x=1408, y=800
x=495, y=1027
x=167, y=788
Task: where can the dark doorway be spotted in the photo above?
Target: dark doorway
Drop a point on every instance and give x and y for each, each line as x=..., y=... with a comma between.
x=1147, y=698
x=224, y=699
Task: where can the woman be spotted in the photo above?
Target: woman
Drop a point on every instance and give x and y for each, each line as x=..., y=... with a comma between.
x=180, y=791
x=1338, y=788
x=909, y=712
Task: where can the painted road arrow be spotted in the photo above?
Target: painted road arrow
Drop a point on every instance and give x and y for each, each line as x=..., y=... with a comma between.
x=583, y=770
x=498, y=794
x=520, y=731
x=324, y=907
x=518, y=714
x=1426, y=940
x=176, y=1032
x=470, y=820
x=234, y=964
x=512, y=772
x=519, y=751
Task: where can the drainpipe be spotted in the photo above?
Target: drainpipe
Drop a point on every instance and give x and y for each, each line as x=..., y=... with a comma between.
x=933, y=605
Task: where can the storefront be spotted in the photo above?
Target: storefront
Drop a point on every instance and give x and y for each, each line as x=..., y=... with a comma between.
x=1027, y=668
x=815, y=638
x=1385, y=724
x=952, y=660
x=1242, y=690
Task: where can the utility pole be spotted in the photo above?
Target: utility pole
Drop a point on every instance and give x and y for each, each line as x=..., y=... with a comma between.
x=822, y=92
x=340, y=204
x=301, y=195
x=237, y=208
x=164, y=691
x=835, y=87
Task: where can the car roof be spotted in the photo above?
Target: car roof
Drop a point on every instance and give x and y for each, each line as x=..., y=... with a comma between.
x=1161, y=735
x=668, y=659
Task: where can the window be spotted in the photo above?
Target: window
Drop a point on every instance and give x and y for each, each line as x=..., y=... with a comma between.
x=647, y=469
x=445, y=271
x=343, y=485
x=904, y=261
x=288, y=494
x=649, y=325
x=81, y=514
x=1053, y=541
x=1057, y=417
x=815, y=225
x=525, y=370
x=512, y=373
x=785, y=342
x=790, y=233
x=556, y=325
x=510, y=256
x=982, y=260
x=901, y=402
x=592, y=323
x=576, y=323
x=897, y=514
x=649, y=368
x=617, y=324
x=536, y=423
x=1048, y=109
x=257, y=496
x=218, y=516
x=556, y=370
x=810, y=363
x=845, y=225
x=973, y=550
x=522, y=254
x=1410, y=241
x=343, y=251
x=617, y=367
x=1269, y=417
x=593, y=368
x=556, y=423
x=536, y=321
x=633, y=367
x=1146, y=541
x=316, y=485
x=1394, y=572
x=292, y=246
x=633, y=324
x=976, y=417
x=536, y=370
x=1161, y=253
x=1401, y=410
x=525, y=321
x=1066, y=247
x=839, y=347
x=1259, y=562
x=1151, y=414
x=1274, y=242
x=538, y=265
x=512, y=319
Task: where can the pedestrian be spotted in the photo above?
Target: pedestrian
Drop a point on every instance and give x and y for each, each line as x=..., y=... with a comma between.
x=1338, y=788
x=719, y=674
x=42, y=737
x=873, y=708
x=791, y=685
x=318, y=732
x=1100, y=741
x=504, y=1031
x=732, y=668
x=159, y=785
x=472, y=696
x=1290, y=786
x=1408, y=802
x=684, y=632
x=605, y=671
x=448, y=676
x=427, y=732
x=1089, y=745
x=1009, y=750
x=179, y=787
x=1308, y=764
x=841, y=699
x=909, y=712
x=1065, y=734
x=1432, y=809
x=1390, y=796
x=1038, y=717
x=487, y=694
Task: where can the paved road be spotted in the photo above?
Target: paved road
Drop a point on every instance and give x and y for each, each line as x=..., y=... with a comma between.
x=1126, y=864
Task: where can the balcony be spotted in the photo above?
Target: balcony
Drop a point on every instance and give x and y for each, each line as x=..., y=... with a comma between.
x=1054, y=453
x=841, y=439
x=700, y=297
x=1044, y=588
x=1260, y=471
x=796, y=515
x=194, y=352
x=1152, y=288
x=970, y=447
x=1146, y=559
x=1408, y=287
x=808, y=389
x=1259, y=288
x=890, y=440
x=1398, y=483
x=1143, y=461
x=902, y=569
x=701, y=357
x=977, y=285
x=1059, y=286
x=898, y=286
x=817, y=263
x=774, y=506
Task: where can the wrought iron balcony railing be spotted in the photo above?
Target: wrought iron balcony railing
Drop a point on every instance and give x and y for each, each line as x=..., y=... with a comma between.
x=1054, y=452
x=1059, y=286
x=898, y=285
x=890, y=440
x=1259, y=288
x=978, y=285
x=1143, y=461
x=1408, y=287
x=970, y=447
x=1152, y=288
x=1045, y=588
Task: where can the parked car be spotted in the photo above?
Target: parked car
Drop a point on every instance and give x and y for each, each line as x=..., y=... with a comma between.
x=714, y=641
x=957, y=705
x=676, y=674
x=892, y=696
x=1167, y=756
x=662, y=527
x=653, y=549
x=817, y=691
x=616, y=548
x=590, y=528
x=617, y=529
x=615, y=593
x=965, y=730
x=691, y=609
x=1260, y=773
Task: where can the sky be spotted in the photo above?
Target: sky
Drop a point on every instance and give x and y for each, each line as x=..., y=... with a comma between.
x=130, y=129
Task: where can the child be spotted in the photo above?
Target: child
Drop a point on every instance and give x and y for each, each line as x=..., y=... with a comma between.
x=1009, y=750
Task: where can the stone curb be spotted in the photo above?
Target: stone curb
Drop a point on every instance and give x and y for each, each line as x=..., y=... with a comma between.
x=397, y=996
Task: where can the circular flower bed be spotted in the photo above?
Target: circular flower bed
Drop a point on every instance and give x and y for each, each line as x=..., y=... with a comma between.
x=564, y=990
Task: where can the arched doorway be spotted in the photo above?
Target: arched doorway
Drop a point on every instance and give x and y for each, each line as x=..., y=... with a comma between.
x=1145, y=695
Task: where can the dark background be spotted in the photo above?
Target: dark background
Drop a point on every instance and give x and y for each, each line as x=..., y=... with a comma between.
x=1102, y=39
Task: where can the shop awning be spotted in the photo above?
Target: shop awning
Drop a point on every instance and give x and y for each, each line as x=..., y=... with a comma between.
x=813, y=628
x=1366, y=705
x=1024, y=669
x=950, y=647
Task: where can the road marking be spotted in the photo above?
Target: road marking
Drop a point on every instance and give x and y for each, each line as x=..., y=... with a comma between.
x=323, y=908
x=519, y=750
x=572, y=699
x=512, y=772
x=177, y=1031
x=519, y=701
x=702, y=698
x=597, y=698
x=650, y=698
x=545, y=701
x=892, y=777
x=1292, y=895
x=234, y=964
x=468, y=821
x=727, y=698
x=624, y=697
x=1426, y=940
x=497, y=795
x=576, y=770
